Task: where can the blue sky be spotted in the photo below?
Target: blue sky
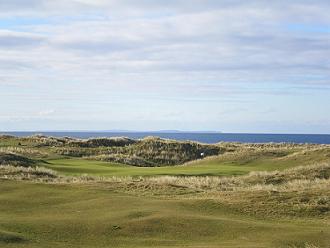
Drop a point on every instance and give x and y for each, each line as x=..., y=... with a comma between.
x=232, y=66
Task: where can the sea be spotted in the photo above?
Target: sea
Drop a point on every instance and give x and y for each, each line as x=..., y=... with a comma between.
x=207, y=137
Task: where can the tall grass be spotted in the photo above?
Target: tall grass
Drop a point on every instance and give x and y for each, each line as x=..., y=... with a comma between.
x=27, y=173
x=312, y=176
x=25, y=151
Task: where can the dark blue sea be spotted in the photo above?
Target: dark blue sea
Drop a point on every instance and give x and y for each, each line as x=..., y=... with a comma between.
x=200, y=137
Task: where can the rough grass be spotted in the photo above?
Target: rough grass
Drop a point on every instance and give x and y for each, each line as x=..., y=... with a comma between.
x=146, y=152
x=230, y=163
x=153, y=151
x=123, y=159
x=55, y=215
x=251, y=195
x=23, y=151
x=27, y=173
x=299, y=191
x=16, y=160
x=289, y=179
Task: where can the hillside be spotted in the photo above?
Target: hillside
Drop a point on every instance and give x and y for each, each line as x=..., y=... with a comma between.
x=150, y=151
x=269, y=195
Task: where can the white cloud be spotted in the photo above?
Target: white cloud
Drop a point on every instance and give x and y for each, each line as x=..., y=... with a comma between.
x=200, y=50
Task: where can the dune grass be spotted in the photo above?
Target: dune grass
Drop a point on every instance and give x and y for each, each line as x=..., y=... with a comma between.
x=35, y=215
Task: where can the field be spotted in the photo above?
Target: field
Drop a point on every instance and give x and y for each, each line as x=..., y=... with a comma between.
x=38, y=215
x=274, y=195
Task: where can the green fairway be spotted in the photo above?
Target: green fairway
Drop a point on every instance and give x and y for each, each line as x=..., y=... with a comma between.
x=39, y=215
x=155, y=157
x=41, y=208
x=216, y=166
x=81, y=166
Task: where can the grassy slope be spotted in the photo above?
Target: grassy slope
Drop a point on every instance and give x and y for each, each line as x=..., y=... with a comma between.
x=34, y=215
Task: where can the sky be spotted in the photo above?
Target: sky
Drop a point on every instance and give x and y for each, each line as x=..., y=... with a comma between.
x=224, y=65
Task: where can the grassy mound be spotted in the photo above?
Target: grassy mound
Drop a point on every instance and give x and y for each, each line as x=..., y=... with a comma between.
x=44, y=141
x=153, y=151
x=124, y=159
x=52, y=215
x=27, y=173
x=300, y=191
x=311, y=172
x=105, y=142
x=147, y=152
x=312, y=176
x=170, y=152
x=15, y=160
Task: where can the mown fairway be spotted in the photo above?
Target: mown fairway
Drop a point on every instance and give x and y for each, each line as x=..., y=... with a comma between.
x=82, y=166
x=39, y=215
x=212, y=166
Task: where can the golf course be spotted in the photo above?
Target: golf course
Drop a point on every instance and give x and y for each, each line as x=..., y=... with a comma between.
x=117, y=192
x=164, y=124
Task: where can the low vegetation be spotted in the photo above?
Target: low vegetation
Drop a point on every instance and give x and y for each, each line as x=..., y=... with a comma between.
x=146, y=152
x=306, y=188
x=15, y=159
x=65, y=192
x=151, y=151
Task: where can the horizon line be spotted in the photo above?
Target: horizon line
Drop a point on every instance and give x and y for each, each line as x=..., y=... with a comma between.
x=156, y=131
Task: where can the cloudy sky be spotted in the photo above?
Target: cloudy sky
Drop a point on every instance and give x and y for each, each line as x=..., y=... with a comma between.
x=231, y=65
